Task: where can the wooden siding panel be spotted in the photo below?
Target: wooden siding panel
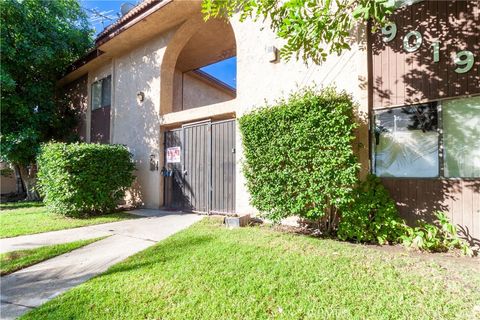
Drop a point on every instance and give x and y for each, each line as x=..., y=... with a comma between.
x=405, y=78
x=76, y=93
x=421, y=198
x=100, y=125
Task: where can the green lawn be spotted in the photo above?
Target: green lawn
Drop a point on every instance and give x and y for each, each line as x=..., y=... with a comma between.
x=208, y=272
x=23, y=218
x=16, y=260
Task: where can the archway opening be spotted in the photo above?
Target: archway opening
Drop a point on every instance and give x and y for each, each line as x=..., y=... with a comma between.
x=205, y=71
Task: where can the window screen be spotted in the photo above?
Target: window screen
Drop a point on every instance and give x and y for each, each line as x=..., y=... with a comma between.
x=96, y=95
x=406, y=142
x=101, y=93
x=461, y=137
x=106, y=91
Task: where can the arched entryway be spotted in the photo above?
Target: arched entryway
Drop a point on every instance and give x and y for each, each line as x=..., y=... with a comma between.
x=199, y=151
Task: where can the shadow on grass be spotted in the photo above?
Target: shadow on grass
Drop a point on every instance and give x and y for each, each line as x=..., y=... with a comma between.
x=21, y=205
x=160, y=253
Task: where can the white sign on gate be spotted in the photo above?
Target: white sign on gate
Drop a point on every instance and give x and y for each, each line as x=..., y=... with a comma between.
x=173, y=155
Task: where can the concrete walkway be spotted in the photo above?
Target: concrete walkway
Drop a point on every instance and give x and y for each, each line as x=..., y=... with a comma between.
x=35, y=285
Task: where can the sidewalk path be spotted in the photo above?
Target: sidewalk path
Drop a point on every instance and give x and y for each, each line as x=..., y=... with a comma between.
x=35, y=285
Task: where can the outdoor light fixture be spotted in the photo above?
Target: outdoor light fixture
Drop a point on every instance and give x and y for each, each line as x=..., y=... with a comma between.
x=272, y=53
x=140, y=96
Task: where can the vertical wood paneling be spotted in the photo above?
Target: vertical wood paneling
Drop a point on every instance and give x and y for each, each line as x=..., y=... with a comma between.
x=209, y=182
x=420, y=198
x=76, y=93
x=100, y=125
x=196, y=168
x=223, y=166
x=174, y=186
x=405, y=78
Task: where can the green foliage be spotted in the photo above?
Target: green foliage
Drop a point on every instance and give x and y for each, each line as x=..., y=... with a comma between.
x=209, y=272
x=20, y=259
x=25, y=217
x=298, y=155
x=438, y=237
x=372, y=216
x=313, y=29
x=84, y=179
x=39, y=39
x=7, y=172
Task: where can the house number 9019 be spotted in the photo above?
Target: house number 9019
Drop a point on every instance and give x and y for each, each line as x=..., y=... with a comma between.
x=463, y=59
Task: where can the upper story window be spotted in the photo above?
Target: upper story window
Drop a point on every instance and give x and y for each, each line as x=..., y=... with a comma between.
x=102, y=93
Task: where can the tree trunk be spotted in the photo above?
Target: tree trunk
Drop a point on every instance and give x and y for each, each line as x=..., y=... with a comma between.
x=18, y=180
x=29, y=179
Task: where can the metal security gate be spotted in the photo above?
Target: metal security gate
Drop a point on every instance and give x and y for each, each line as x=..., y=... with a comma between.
x=200, y=167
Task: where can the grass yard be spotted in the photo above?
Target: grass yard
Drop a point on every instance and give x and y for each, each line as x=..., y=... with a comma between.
x=23, y=218
x=208, y=272
x=16, y=260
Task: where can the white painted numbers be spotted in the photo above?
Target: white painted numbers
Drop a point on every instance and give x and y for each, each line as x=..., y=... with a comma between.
x=412, y=41
x=389, y=31
x=416, y=44
x=436, y=51
x=465, y=60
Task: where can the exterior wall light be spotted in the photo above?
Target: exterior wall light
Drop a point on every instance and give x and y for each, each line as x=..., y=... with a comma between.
x=140, y=96
x=272, y=53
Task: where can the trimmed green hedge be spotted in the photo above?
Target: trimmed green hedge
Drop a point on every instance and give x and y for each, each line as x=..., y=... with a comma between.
x=298, y=155
x=84, y=179
x=372, y=216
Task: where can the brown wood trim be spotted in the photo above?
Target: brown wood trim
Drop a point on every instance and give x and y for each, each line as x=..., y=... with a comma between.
x=91, y=55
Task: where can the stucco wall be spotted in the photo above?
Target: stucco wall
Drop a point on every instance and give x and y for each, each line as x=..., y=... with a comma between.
x=136, y=124
x=191, y=91
x=199, y=93
x=8, y=183
x=140, y=125
x=259, y=80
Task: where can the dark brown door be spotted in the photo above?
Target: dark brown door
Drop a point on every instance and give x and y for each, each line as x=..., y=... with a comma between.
x=203, y=179
x=100, y=125
x=223, y=167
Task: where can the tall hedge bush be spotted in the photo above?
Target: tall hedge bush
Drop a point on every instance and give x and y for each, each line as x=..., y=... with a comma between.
x=83, y=179
x=298, y=155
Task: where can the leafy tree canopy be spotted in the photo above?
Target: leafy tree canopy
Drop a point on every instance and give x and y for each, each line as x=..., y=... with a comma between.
x=39, y=39
x=313, y=29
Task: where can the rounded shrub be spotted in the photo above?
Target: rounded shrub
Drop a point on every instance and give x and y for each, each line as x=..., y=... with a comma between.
x=81, y=180
x=299, y=159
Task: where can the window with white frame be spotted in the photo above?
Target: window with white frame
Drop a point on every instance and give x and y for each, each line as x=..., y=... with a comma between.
x=101, y=93
x=406, y=140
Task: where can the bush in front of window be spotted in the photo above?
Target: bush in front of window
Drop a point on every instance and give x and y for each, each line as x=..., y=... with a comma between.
x=372, y=216
x=81, y=180
x=299, y=159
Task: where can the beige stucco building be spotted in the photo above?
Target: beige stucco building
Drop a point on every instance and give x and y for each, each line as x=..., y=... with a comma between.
x=155, y=51
x=142, y=87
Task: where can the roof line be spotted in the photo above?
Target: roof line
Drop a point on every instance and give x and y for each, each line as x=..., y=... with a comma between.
x=132, y=17
x=135, y=15
x=218, y=82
